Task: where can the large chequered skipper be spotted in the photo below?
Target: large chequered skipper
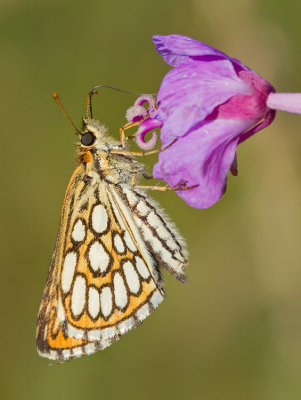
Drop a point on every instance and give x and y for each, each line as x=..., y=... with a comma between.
x=104, y=277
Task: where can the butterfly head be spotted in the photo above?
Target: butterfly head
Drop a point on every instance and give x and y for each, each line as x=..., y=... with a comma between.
x=92, y=134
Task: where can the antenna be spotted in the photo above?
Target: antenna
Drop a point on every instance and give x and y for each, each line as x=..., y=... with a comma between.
x=89, y=102
x=58, y=102
x=94, y=91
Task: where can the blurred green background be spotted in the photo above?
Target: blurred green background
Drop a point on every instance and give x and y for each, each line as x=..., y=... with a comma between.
x=234, y=331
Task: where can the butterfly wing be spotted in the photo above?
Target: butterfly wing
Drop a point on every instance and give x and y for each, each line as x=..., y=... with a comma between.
x=102, y=281
x=164, y=242
x=50, y=313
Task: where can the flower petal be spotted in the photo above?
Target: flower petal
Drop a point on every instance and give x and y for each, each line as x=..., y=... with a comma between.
x=176, y=49
x=268, y=119
x=191, y=91
x=135, y=113
x=146, y=98
x=143, y=129
x=138, y=112
x=202, y=158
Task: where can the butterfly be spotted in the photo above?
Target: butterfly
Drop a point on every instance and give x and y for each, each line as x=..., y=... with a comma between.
x=113, y=239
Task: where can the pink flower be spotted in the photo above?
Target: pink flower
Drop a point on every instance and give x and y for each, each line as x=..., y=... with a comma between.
x=208, y=104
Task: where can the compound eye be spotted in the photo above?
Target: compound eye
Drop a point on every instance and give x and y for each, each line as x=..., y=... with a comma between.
x=87, y=139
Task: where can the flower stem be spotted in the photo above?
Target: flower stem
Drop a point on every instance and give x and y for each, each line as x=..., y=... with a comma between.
x=290, y=102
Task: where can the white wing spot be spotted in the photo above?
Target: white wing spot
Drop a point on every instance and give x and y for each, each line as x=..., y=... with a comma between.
x=156, y=298
x=120, y=293
x=126, y=325
x=131, y=196
x=165, y=235
x=74, y=332
x=99, y=218
x=66, y=354
x=108, y=333
x=79, y=231
x=174, y=264
x=142, y=208
x=142, y=268
x=155, y=243
x=53, y=355
x=131, y=277
x=60, y=311
x=94, y=302
x=90, y=348
x=94, y=335
x=129, y=242
x=171, y=243
x=98, y=257
x=154, y=220
x=78, y=297
x=143, y=312
x=179, y=256
x=68, y=271
x=106, y=301
x=78, y=352
x=118, y=244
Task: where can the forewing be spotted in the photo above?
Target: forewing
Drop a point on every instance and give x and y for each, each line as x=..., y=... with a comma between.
x=102, y=281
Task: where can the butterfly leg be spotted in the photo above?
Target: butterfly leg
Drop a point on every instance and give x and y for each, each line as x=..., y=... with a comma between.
x=165, y=188
x=125, y=127
x=130, y=125
x=160, y=188
x=141, y=153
